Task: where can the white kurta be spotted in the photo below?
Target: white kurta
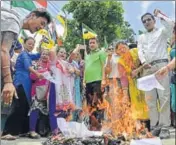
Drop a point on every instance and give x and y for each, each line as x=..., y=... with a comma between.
x=65, y=86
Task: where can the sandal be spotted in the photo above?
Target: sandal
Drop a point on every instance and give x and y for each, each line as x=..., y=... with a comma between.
x=8, y=137
x=58, y=136
x=34, y=135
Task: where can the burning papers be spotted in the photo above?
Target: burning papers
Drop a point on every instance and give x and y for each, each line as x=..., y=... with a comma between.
x=75, y=129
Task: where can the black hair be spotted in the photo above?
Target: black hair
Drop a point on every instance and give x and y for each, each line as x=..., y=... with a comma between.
x=42, y=13
x=120, y=42
x=132, y=45
x=94, y=38
x=26, y=39
x=147, y=14
x=59, y=48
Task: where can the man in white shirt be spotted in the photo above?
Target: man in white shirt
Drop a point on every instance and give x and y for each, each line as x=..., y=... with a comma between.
x=10, y=28
x=153, y=55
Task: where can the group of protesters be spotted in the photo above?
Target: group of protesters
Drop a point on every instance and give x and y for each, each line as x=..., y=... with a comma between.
x=84, y=86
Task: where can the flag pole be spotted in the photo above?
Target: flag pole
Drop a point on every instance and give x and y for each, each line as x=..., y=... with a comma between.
x=10, y=4
x=84, y=42
x=85, y=50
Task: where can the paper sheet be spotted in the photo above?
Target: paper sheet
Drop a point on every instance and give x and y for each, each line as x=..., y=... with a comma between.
x=148, y=83
x=75, y=129
x=48, y=76
x=148, y=141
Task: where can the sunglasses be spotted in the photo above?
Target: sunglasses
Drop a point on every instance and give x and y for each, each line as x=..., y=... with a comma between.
x=144, y=21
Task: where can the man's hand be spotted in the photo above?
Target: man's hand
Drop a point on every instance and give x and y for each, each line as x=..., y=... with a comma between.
x=146, y=66
x=109, y=55
x=8, y=92
x=134, y=73
x=156, y=12
x=82, y=63
x=162, y=72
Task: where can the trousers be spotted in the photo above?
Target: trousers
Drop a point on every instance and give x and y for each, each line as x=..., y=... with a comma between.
x=159, y=114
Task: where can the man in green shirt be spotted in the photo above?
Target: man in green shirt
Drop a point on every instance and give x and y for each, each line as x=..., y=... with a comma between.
x=94, y=63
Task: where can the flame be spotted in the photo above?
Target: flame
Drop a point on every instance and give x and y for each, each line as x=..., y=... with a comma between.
x=122, y=118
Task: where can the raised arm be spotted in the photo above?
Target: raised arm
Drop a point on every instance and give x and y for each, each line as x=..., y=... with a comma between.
x=167, y=23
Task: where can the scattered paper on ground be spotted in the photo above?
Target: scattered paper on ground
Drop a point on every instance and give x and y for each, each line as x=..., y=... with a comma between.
x=29, y=143
x=149, y=141
x=75, y=129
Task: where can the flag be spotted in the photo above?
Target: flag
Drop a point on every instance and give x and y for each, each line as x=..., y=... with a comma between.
x=59, y=41
x=48, y=45
x=60, y=30
x=43, y=32
x=22, y=36
x=23, y=33
x=105, y=42
x=52, y=31
x=61, y=19
x=43, y=3
x=63, y=22
x=87, y=32
x=28, y=5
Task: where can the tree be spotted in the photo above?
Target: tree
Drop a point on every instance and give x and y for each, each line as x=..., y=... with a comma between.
x=104, y=17
x=74, y=35
x=127, y=32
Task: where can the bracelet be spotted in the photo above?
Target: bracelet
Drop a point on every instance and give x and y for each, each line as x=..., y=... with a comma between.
x=6, y=75
x=10, y=82
x=4, y=67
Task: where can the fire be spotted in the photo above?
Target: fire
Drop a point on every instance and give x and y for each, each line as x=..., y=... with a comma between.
x=122, y=119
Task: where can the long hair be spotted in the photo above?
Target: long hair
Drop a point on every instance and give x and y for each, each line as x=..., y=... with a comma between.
x=126, y=56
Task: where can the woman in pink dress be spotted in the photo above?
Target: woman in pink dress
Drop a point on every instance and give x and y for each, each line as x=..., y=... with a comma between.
x=39, y=93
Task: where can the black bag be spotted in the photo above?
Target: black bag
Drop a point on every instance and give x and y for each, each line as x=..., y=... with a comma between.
x=43, y=125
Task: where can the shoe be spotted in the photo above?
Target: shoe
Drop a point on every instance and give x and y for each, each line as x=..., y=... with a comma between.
x=8, y=137
x=34, y=135
x=164, y=134
x=156, y=131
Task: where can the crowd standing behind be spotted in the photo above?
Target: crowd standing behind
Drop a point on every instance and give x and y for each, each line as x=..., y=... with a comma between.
x=86, y=89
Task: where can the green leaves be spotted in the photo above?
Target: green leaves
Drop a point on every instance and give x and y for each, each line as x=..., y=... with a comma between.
x=104, y=17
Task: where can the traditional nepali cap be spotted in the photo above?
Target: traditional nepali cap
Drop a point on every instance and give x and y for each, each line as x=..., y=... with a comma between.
x=17, y=45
